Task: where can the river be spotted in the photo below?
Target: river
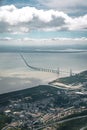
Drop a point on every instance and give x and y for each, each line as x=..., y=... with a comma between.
x=15, y=75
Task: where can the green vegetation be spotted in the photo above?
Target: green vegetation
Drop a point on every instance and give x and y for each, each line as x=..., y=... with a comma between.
x=75, y=79
x=4, y=120
x=36, y=93
x=73, y=125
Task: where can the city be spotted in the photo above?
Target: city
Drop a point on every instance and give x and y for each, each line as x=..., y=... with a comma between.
x=42, y=106
x=43, y=64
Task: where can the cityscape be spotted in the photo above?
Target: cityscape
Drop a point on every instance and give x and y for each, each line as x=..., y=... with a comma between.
x=43, y=107
x=43, y=65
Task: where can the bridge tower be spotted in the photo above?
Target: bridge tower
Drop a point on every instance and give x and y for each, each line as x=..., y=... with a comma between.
x=58, y=71
x=70, y=72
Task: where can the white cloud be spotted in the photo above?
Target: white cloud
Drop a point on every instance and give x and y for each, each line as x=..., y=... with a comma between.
x=18, y=20
x=13, y=16
x=78, y=23
x=43, y=39
x=6, y=39
x=65, y=5
x=43, y=42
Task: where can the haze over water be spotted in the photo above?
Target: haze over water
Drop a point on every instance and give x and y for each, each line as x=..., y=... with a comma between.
x=15, y=75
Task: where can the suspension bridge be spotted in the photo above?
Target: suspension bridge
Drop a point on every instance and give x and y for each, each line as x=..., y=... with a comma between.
x=58, y=71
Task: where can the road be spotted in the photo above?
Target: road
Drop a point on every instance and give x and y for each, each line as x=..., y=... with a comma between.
x=6, y=127
x=83, y=128
x=59, y=122
x=56, y=122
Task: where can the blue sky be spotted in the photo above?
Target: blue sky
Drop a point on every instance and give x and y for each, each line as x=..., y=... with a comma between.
x=52, y=34
x=43, y=19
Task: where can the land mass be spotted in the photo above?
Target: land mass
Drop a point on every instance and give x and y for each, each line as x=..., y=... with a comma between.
x=46, y=106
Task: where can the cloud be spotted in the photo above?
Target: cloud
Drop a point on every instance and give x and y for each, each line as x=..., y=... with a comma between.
x=43, y=39
x=25, y=19
x=20, y=43
x=6, y=39
x=63, y=3
x=66, y=5
x=74, y=7
x=78, y=23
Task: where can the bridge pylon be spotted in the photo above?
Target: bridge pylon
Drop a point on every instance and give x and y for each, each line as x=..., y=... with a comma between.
x=58, y=71
x=70, y=72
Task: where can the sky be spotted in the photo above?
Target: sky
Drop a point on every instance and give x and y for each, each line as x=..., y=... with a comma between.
x=52, y=20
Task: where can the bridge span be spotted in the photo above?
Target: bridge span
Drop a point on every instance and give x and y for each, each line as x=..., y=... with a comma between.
x=58, y=71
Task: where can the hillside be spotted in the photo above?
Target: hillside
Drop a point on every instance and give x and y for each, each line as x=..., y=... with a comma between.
x=45, y=104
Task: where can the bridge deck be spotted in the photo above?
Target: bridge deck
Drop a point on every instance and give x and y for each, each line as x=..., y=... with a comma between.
x=45, y=69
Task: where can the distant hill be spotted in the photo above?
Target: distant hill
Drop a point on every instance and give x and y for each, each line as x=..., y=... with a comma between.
x=44, y=49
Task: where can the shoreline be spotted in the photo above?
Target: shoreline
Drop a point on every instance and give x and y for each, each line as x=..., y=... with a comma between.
x=15, y=81
x=64, y=86
x=23, y=80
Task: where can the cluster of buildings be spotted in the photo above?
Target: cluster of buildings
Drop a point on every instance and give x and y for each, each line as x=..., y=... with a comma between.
x=26, y=114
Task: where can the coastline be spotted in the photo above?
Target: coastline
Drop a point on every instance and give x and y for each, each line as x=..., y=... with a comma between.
x=23, y=80
x=64, y=86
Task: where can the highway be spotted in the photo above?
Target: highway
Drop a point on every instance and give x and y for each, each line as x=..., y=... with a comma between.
x=6, y=127
x=62, y=121
x=83, y=128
